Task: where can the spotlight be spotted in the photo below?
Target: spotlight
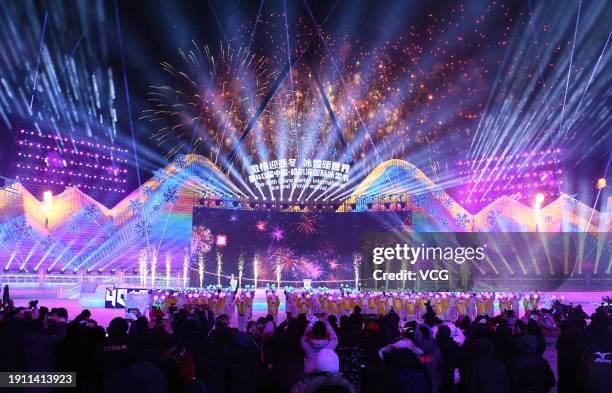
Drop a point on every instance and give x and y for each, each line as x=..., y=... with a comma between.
x=302, y=206
x=99, y=271
x=88, y=271
x=268, y=206
x=201, y=201
x=539, y=198
x=235, y=203
x=387, y=205
x=319, y=207
x=49, y=270
x=601, y=183
x=353, y=206
x=113, y=271
x=369, y=205
x=402, y=204
x=285, y=206
x=252, y=205
x=335, y=206
x=218, y=202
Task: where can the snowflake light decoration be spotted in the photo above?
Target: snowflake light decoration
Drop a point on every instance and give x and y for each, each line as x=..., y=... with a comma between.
x=462, y=220
x=412, y=172
x=147, y=191
x=47, y=241
x=20, y=230
x=548, y=219
x=134, y=205
x=444, y=222
x=170, y=195
x=143, y=228
x=110, y=228
x=92, y=212
x=448, y=203
x=160, y=175
x=419, y=200
x=74, y=228
x=180, y=161
x=202, y=239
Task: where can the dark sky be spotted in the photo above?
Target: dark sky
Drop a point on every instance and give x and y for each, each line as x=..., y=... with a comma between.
x=153, y=30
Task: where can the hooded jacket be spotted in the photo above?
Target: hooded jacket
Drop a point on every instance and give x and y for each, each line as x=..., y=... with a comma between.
x=313, y=345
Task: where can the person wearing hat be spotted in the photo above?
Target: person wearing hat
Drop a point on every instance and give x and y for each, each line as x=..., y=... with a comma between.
x=318, y=336
x=530, y=372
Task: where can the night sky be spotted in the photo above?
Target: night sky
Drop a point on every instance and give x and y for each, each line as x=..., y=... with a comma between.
x=429, y=82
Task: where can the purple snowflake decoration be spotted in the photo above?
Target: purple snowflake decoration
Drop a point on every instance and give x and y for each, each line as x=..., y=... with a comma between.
x=20, y=230
x=147, y=191
x=170, y=195
x=110, y=228
x=156, y=207
x=448, y=203
x=92, y=212
x=462, y=220
x=419, y=200
x=160, y=175
x=433, y=212
x=548, y=219
x=180, y=161
x=412, y=172
x=47, y=241
x=438, y=192
x=134, y=205
x=74, y=228
x=444, y=222
x=143, y=228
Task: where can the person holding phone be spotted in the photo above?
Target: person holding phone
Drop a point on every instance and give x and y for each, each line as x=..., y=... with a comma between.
x=318, y=336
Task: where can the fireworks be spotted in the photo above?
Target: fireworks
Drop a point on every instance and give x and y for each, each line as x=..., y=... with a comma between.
x=356, y=267
x=185, y=269
x=255, y=269
x=201, y=240
x=277, y=234
x=168, y=263
x=240, y=269
x=306, y=225
x=212, y=97
x=153, y=267
x=221, y=241
x=142, y=263
x=201, y=267
x=311, y=270
x=261, y=225
x=219, y=267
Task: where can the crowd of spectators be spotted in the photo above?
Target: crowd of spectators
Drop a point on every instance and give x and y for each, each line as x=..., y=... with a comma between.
x=192, y=351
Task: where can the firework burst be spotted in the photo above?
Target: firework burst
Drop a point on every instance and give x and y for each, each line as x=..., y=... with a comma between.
x=277, y=234
x=311, y=269
x=210, y=99
x=307, y=224
x=261, y=225
x=201, y=239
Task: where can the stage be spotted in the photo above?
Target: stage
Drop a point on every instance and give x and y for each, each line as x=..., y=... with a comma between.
x=588, y=300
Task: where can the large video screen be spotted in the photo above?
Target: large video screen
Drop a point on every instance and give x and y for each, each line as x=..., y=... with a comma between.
x=382, y=250
x=321, y=246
